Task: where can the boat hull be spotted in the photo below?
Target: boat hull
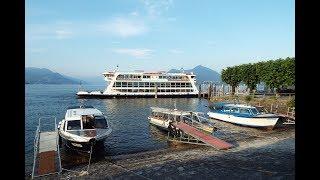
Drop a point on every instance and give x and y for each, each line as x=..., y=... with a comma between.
x=257, y=122
x=109, y=96
x=159, y=123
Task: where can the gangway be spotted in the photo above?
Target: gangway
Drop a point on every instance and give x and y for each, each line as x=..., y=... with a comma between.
x=47, y=159
x=187, y=130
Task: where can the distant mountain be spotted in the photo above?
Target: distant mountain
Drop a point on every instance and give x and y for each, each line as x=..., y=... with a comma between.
x=45, y=76
x=202, y=73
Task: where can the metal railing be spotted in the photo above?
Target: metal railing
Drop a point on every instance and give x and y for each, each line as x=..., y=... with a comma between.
x=36, y=144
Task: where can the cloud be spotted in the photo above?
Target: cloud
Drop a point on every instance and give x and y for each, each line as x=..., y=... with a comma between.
x=134, y=13
x=175, y=51
x=156, y=8
x=63, y=34
x=137, y=53
x=124, y=27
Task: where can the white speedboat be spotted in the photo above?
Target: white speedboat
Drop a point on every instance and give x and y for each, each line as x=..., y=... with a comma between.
x=243, y=115
x=82, y=126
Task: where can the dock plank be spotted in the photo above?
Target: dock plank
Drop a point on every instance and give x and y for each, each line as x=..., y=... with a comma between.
x=47, y=162
x=208, y=139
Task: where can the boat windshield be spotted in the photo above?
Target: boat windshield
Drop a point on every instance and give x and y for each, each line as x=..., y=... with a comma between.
x=254, y=111
x=100, y=123
x=74, y=125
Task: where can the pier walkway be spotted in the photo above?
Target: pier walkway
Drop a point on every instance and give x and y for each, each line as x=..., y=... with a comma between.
x=46, y=151
x=208, y=139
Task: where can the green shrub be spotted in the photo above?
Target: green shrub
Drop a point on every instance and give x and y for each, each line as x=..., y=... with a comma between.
x=248, y=98
x=291, y=102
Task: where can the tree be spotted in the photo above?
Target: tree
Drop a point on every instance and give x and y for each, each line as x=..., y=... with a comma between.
x=231, y=76
x=249, y=76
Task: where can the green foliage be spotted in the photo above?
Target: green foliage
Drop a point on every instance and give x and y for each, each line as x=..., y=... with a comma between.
x=291, y=102
x=248, y=98
x=249, y=76
x=277, y=74
x=231, y=76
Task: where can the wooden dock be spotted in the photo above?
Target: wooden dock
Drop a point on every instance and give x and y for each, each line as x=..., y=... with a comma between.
x=46, y=153
x=203, y=137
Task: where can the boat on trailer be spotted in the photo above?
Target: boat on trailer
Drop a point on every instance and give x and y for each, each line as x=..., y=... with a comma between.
x=163, y=117
x=83, y=126
x=243, y=114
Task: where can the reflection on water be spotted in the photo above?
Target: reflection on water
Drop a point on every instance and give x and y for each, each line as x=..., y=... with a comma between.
x=128, y=118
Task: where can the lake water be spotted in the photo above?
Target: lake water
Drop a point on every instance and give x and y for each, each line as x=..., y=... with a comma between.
x=127, y=117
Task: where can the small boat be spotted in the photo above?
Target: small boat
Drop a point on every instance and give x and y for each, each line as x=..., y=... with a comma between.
x=242, y=114
x=162, y=117
x=83, y=126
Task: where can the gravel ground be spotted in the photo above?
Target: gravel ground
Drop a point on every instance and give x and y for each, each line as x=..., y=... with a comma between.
x=257, y=154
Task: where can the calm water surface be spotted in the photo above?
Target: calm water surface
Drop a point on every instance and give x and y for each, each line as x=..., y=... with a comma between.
x=127, y=117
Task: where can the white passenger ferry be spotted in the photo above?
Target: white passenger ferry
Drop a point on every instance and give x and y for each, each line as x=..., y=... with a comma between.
x=145, y=84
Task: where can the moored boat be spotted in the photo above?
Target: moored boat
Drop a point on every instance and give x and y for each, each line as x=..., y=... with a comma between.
x=242, y=114
x=163, y=117
x=83, y=126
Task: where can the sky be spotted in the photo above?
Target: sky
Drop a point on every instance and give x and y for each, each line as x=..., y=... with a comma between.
x=84, y=38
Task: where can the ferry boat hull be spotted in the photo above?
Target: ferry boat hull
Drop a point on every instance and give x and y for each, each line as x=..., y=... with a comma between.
x=110, y=96
x=262, y=121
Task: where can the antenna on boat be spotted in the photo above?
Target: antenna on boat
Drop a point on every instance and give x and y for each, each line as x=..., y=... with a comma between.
x=117, y=68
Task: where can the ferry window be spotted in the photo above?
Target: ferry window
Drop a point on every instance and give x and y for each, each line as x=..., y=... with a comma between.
x=141, y=90
x=147, y=84
x=167, y=84
x=74, y=125
x=172, y=90
x=191, y=90
x=183, y=84
x=183, y=90
x=100, y=123
x=152, y=90
x=141, y=84
x=162, y=85
x=129, y=90
x=244, y=111
x=135, y=90
x=178, y=90
x=118, y=84
x=139, y=77
x=151, y=84
x=162, y=90
x=158, y=90
x=124, y=84
x=129, y=84
x=135, y=84
x=114, y=85
x=188, y=90
x=188, y=84
x=178, y=84
x=147, y=90
x=173, y=84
